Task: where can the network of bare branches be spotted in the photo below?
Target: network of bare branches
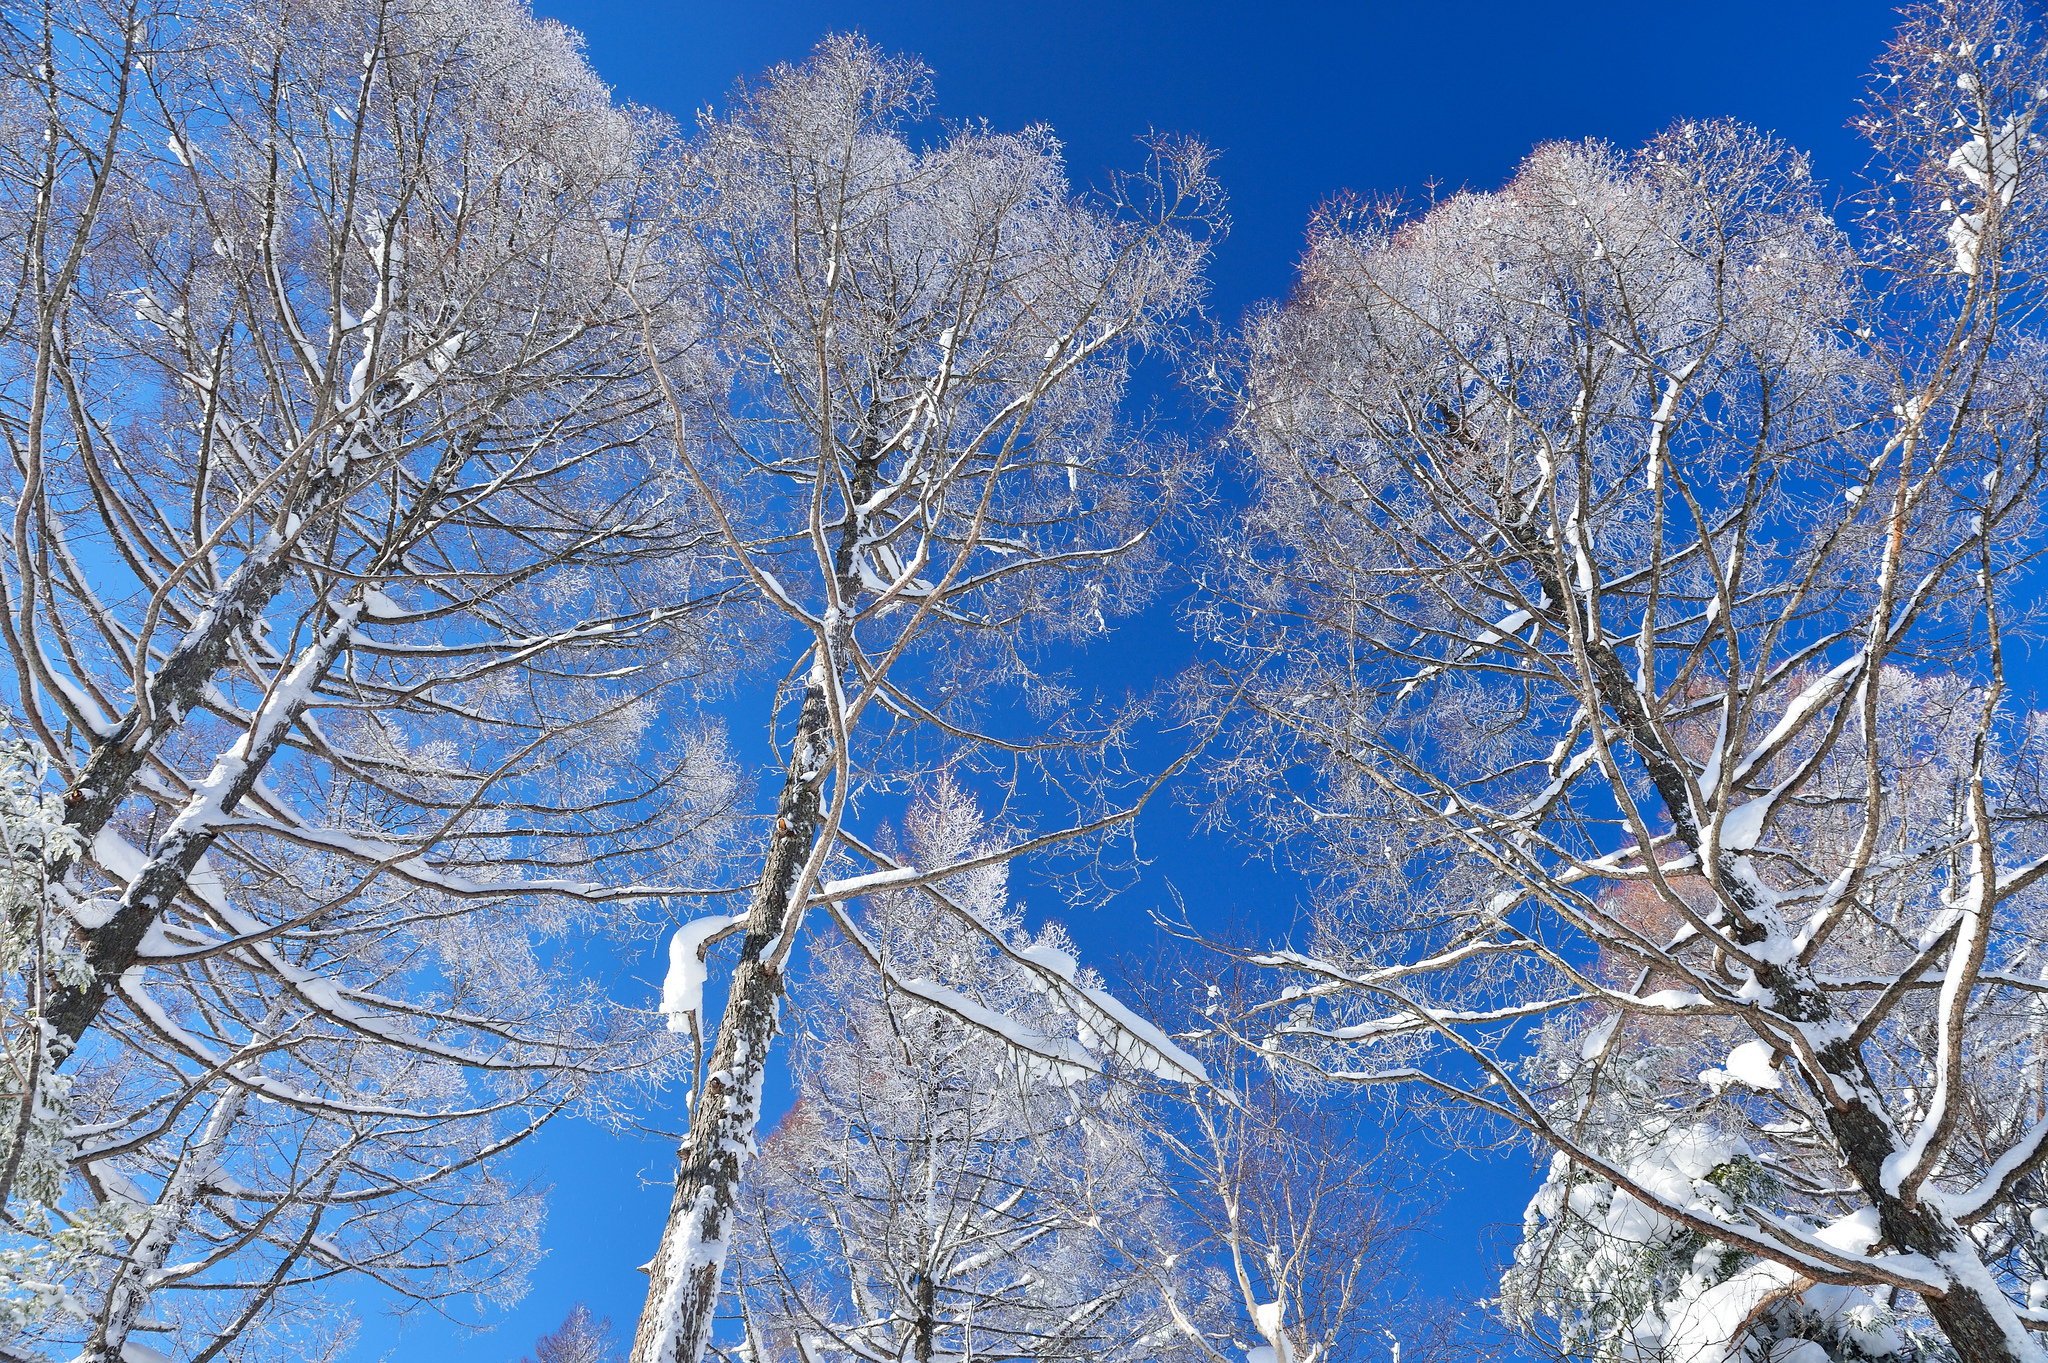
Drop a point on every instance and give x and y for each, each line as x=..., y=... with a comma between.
x=344, y=575
x=1623, y=625
x=941, y=1190
x=904, y=420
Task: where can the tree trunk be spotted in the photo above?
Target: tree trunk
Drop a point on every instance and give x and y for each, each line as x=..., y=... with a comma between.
x=113, y=947
x=927, y=1316
x=178, y=686
x=683, y=1280
x=1974, y=1314
x=133, y=1276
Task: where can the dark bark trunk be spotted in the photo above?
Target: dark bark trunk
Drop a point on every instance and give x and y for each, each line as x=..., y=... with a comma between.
x=682, y=1291
x=1981, y=1329
x=114, y=946
x=683, y=1280
x=178, y=686
x=927, y=1316
x=1974, y=1324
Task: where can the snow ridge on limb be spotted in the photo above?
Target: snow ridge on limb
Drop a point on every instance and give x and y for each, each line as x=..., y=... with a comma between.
x=953, y=1174
x=1052, y=971
x=1064, y=1057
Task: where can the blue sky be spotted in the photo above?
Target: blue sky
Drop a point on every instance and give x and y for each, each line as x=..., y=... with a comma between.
x=1304, y=100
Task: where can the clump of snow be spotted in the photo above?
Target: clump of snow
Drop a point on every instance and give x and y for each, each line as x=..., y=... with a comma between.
x=854, y=886
x=682, y=991
x=1750, y=1064
x=1854, y=1233
x=1745, y=824
x=1268, y=1316
x=1596, y=1038
x=1631, y=1283
x=1993, y=168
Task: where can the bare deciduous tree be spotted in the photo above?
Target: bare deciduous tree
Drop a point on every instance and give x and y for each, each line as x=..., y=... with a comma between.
x=909, y=438
x=582, y=1337
x=935, y=1192
x=342, y=575
x=1636, y=528
x=1288, y=1218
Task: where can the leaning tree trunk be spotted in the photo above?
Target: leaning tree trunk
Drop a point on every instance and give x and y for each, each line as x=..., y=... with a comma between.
x=1974, y=1313
x=178, y=686
x=176, y=689
x=113, y=948
x=683, y=1279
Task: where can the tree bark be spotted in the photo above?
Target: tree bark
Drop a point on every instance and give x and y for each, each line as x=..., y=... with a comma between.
x=927, y=1315
x=134, y=1276
x=115, y=945
x=178, y=687
x=1978, y=1320
x=682, y=1290
x=1980, y=1323
x=683, y=1280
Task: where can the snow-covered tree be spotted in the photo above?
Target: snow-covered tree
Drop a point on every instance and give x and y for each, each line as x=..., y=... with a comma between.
x=1602, y=1274
x=1622, y=621
x=582, y=1337
x=37, y=950
x=936, y=1192
x=343, y=573
x=905, y=421
x=1285, y=1236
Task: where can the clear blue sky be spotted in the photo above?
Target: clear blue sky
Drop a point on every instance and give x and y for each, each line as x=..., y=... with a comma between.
x=1305, y=100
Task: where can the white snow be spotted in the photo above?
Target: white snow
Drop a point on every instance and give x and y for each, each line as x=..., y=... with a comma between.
x=1802, y=708
x=1064, y=1057
x=1127, y=1034
x=853, y=886
x=378, y=606
x=1993, y=169
x=682, y=990
x=1595, y=1040
x=1854, y=1233
x=1744, y=824
x=1750, y=1064
x=1660, y=420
